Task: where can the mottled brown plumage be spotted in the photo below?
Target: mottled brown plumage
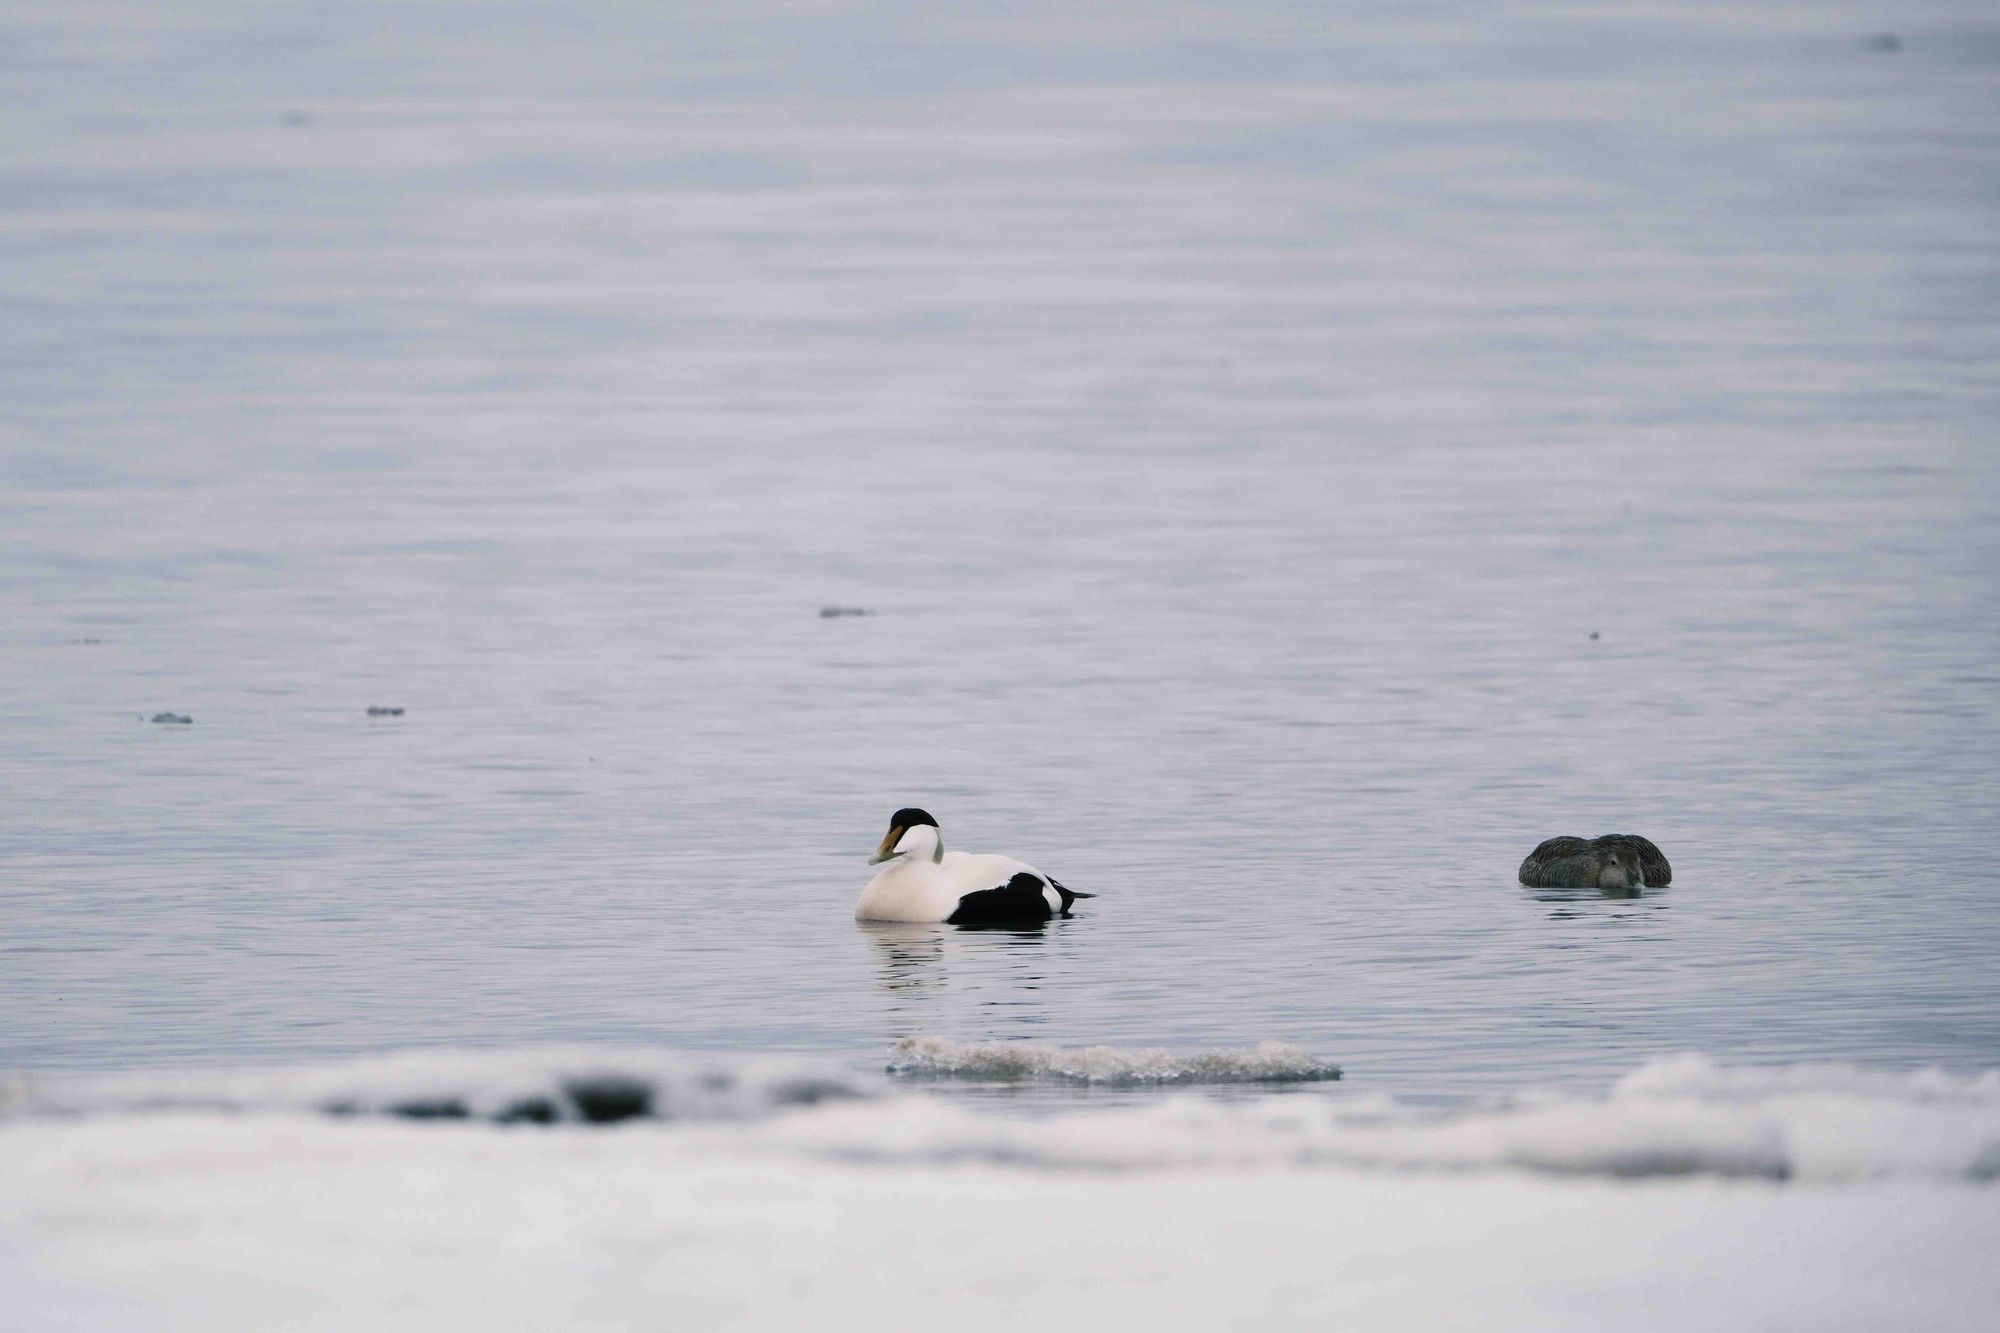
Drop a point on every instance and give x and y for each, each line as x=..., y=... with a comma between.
x=1614, y=861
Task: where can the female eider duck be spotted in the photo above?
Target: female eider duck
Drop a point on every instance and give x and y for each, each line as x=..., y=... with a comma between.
x=1614, y=861
x=921, y=881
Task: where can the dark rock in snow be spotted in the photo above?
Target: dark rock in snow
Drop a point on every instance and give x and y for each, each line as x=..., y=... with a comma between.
x=607, y=1099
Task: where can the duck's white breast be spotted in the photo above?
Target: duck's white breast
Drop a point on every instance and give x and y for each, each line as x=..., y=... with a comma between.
x=907, y=892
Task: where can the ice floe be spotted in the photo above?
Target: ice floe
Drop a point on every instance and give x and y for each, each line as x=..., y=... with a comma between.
x=1266, y=1062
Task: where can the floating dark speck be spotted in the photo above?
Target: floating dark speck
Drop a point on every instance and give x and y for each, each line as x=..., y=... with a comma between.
x=176, y=719
x=836, y=612
x=376, y=710
x=1593, y=636
x=1884, y=42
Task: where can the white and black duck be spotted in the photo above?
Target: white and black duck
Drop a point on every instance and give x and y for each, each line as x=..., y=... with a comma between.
x=921, y=881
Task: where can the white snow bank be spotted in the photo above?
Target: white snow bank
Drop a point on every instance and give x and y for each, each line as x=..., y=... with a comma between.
x=1266, y=1062
x=221, y=1223
x=1582, y=1139
x=1700, y=1076
x=1680, y=1117
x=539, y=1084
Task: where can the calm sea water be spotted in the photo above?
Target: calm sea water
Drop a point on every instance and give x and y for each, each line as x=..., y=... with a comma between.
x=1296, y=462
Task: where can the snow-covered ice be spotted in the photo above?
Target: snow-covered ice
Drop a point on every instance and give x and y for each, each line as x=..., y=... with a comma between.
x=1807, y=1197
x=535, y=1084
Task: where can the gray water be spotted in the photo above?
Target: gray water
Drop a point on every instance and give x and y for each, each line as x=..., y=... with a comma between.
x=1297, y=460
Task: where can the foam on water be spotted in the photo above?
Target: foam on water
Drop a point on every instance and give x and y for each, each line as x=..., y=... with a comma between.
x=1266, y=1062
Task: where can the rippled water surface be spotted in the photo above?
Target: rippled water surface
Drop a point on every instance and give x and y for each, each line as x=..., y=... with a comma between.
x=1296, y=461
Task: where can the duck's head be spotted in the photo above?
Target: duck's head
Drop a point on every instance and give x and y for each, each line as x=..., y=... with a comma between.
x=1619, y=868
x=913, y=833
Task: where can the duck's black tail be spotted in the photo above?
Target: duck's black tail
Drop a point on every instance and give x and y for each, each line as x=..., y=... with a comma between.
x=1068, y=896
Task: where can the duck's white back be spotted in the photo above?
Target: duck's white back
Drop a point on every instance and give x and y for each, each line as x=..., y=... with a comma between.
x=970, y=872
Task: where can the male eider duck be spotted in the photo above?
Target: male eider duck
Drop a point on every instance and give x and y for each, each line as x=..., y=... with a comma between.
x=1614, y=861
x=921, y=881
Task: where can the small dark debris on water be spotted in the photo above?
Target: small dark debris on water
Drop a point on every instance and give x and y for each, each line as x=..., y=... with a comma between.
x=376, y=710
x=297, y=119
x=175, y=719
x=1885, y=42
x=836, y=612
x=1593, y=636
x=87, y=641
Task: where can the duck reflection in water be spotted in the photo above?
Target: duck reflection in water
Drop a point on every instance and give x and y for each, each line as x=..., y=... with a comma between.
x=914, y=956
x=911, y=956
x=953, y=978
x=1612, y=904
